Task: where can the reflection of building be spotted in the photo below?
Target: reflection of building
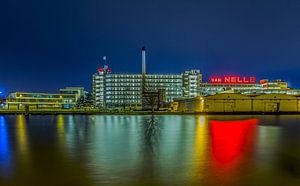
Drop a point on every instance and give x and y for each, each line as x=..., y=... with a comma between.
x=21, y=100
x=111, y=90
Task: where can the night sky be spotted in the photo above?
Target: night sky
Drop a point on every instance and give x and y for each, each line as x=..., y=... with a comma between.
x=48, y=44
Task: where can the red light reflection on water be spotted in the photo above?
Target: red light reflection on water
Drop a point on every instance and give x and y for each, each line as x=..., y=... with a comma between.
x=230, y=138
x=232, y=144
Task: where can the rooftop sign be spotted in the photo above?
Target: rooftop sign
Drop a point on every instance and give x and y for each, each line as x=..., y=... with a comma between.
x=232, y=80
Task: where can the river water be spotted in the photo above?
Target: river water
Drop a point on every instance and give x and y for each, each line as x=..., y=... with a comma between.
x=149, y=150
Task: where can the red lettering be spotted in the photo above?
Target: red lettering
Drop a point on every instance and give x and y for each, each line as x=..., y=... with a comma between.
x=226, y=79
x=252, y=79
x=239, y=80
x=232, y=79
x=215, y=80
x=245, y=80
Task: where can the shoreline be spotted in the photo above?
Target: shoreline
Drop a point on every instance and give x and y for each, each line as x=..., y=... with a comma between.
x=93, y=112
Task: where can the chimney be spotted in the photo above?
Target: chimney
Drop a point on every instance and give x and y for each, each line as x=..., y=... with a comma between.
x=143, y=61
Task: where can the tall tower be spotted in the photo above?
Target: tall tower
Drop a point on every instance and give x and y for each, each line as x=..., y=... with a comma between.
x=143, y=61
x=143, y=88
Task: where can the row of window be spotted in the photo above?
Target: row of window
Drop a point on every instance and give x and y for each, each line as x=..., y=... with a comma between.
x=40, y=100
x=122, y=93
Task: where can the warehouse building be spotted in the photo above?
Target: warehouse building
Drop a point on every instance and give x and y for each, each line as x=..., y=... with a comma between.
x=230, y=103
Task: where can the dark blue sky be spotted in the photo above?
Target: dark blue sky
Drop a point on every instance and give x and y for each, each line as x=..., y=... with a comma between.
x=49, y=44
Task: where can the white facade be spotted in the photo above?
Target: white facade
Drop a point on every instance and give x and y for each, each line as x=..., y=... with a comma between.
x=192, y=80
x=117, y=90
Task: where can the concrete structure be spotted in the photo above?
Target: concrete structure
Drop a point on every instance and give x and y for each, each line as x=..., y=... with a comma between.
x=192, y=80
x=241, y=103
x=188, y=105
x=77, y=91
x=33, y=101
x=153, y=100
x=125, y=90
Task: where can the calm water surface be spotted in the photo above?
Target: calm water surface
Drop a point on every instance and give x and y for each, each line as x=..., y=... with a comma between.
x=149, y=150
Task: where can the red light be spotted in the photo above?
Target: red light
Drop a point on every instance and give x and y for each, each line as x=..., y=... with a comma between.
x=101, y=69
x=108, y=70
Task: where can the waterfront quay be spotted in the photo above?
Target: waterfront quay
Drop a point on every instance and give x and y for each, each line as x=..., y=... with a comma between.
x=140, y=112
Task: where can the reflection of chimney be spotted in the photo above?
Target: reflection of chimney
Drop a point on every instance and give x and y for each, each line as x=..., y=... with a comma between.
x=143, y=61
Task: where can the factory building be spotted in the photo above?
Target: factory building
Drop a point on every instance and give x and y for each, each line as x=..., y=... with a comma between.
x=232, y=103
x=245, y=85
x=112, y=90
x=125, y=90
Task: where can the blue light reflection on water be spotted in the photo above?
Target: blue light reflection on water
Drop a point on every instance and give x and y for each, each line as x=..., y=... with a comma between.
x=5, y=159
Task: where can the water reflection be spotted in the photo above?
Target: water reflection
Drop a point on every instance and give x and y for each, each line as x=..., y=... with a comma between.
x=149, y=147
x=4, y=143
x=71, y=135
x=151, y=132
x=200, y=153
x=61, y=129
x=60, y=125
x=229, y=139
x=5, y=159
x=149, y=150
x=22, y=138
x=231, y=143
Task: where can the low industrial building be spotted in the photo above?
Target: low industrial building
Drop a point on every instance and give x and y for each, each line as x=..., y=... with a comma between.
x=34, y=101
x=231, y=103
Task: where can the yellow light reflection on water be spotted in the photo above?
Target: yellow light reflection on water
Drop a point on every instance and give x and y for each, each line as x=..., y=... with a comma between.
x=22, y=135
x=60, y=126
x=200, y=147
x=60, y=132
